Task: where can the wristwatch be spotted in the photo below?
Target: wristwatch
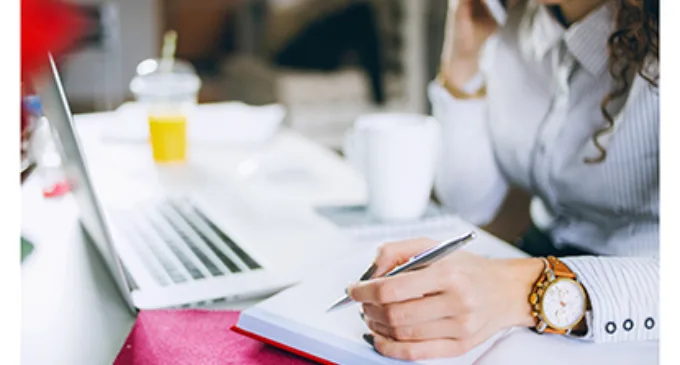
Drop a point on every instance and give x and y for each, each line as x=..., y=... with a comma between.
x=558, y=301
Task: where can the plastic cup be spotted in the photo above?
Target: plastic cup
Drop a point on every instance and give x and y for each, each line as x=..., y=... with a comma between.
x=168, y=136
x=170, y=98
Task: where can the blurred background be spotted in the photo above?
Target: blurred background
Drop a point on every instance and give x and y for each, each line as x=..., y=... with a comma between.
x=326, y=61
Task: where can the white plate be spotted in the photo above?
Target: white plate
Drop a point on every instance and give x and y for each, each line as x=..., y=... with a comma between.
x=210, y=124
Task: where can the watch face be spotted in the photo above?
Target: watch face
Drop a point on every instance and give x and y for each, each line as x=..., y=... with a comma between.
x=563, y=304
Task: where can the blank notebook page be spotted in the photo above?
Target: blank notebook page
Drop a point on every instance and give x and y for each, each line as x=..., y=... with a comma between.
x=297, y=317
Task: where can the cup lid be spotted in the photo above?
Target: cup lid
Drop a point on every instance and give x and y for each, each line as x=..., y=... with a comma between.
x=181, y=78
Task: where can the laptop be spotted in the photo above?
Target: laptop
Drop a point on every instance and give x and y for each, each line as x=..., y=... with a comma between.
x=170, y=250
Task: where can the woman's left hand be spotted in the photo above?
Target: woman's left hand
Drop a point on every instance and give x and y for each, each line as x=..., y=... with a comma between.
x=447, y=308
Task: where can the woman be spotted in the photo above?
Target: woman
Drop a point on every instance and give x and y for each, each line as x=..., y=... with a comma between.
x=567, y=108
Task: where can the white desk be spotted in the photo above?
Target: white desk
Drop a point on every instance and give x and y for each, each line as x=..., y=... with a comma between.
x=71, y=313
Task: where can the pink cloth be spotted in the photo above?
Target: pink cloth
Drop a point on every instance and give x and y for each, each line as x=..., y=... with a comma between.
x=196, y=337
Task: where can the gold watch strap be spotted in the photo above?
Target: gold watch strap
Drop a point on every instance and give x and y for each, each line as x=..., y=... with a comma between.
x=460, y=94
x=556, y=268
x=560, y=269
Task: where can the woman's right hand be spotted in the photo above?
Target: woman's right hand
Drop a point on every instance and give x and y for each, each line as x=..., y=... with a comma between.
x=469, y=24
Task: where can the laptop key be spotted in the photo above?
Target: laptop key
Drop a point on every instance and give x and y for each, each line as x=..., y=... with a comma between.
x=135, y=238
x=196, y=244
x=156, y=245
x=227, y=258
x=174, y=242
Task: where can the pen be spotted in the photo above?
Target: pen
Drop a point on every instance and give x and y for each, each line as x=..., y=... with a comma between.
x=416, y=262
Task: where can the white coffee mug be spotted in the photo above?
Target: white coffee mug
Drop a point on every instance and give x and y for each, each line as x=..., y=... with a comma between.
x=398, y=154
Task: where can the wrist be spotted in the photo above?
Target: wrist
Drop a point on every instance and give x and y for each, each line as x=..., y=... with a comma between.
x=520, y=275
x=459, y=72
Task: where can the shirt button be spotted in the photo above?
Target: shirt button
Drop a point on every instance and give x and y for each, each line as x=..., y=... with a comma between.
x=628, y=325
x=649, y=323
x=610, y=328
x=541, y=148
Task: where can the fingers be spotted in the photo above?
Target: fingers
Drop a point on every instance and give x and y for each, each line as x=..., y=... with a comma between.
x=396, y=253
x=478, y=9
x=460, y=327
x=410, y=313
x=413, y=351
x=434, y=330
x=399, y=288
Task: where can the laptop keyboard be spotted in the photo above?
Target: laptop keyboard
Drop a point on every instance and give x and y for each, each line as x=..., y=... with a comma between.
x=177, y=242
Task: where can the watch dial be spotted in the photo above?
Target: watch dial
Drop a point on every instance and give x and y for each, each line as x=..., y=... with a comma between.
x=563, y=303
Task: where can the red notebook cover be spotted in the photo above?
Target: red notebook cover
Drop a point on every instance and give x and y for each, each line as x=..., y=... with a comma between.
x=198, y=337
x=281, y=346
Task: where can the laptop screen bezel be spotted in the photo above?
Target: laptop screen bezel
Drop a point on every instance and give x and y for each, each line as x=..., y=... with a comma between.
x=74, y=164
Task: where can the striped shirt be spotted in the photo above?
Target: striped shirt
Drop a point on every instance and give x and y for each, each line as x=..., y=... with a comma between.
x=534, y=130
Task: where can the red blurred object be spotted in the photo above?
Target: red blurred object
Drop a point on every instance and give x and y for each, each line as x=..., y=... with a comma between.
x=59, y=189
x=46, y=26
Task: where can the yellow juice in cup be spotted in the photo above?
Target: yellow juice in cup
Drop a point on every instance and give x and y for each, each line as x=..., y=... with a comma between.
x=168, y=137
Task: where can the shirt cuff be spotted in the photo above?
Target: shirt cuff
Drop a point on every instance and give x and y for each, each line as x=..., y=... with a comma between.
x=623, y=294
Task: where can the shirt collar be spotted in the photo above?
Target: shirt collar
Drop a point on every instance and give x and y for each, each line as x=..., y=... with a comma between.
x=546, y=32
x=586, y=40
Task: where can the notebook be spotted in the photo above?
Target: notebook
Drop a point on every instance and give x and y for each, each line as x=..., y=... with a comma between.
x=361, y=225
x=296, y=319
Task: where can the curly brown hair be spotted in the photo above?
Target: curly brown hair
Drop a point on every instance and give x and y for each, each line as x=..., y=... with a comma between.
x=633, y=49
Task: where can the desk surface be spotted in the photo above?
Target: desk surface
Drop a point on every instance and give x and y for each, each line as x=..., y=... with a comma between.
x=71, y=313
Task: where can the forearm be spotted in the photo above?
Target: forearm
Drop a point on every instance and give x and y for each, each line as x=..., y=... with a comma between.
x=465, y=34
x=468, y=180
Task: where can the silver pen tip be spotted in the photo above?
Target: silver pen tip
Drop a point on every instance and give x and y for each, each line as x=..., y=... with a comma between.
x=342, y=302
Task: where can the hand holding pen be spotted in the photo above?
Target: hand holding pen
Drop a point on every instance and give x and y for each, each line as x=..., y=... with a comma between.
x=421, y=260
x=446, y=307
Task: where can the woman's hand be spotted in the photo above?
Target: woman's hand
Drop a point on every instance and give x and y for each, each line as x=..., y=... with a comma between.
x=447, y=308
x=469, y=24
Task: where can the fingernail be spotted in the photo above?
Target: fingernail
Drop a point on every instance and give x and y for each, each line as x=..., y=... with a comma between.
x=369, y=339
x=367, y=275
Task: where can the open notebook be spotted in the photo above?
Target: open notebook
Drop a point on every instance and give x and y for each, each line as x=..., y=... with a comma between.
x=296, y=319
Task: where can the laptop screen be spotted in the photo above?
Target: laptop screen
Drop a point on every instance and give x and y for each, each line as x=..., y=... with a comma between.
x=75, y=168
